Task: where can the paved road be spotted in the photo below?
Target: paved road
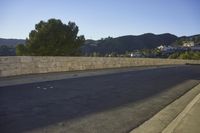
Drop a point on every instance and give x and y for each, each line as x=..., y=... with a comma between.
x=110, y=103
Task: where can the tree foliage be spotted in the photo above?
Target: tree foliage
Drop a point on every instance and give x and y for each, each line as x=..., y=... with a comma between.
x=52, y=38
x=194, y=55
x=21, y=49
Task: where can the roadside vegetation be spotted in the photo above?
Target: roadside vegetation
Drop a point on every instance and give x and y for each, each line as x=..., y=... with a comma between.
x=194, y=55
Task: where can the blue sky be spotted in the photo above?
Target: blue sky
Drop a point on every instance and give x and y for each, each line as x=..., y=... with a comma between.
x=102, y=18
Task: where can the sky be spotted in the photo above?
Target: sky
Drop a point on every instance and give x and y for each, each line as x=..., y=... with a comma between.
x=102, y=18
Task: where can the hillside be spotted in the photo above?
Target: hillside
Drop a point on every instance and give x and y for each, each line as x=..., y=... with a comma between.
x=128, y=43
x=11, y=42
x=118, y=45
x=181, y=40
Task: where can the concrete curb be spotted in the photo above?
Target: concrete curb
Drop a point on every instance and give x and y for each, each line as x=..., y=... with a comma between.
x=170, y=128
x=159, y=122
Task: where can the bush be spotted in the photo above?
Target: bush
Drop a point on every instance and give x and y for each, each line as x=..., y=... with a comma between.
x=194, y=55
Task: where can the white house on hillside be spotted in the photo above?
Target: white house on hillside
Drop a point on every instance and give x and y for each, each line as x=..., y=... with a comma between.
x=165, y=48
x=188, y=44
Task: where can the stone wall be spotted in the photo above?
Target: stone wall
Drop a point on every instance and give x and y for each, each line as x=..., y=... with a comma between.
x=19, y=65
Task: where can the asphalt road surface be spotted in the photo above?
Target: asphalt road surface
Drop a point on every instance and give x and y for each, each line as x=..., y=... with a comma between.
x=109, y=103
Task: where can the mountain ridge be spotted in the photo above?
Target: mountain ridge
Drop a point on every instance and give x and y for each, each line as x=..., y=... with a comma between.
x=122, y=44
x=128, y=43
x=11, y=42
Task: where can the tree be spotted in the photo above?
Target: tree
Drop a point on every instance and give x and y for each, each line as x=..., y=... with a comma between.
x=21, y=49
x=52, y=38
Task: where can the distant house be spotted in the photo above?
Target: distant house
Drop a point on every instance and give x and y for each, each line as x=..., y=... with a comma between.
x=188, y=44
x=137, y=55
x=166, y=48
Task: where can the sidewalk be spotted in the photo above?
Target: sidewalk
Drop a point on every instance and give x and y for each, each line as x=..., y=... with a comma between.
x=188, y=121
x=181, y=116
